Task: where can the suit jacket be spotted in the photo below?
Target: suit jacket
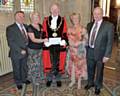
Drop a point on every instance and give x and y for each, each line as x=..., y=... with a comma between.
x=16, y=41
x=103, y=41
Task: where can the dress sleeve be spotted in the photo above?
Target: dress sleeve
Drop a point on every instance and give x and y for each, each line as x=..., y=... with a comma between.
x=29, y=29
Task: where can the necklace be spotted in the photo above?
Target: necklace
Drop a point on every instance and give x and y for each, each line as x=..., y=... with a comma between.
x=54, y=34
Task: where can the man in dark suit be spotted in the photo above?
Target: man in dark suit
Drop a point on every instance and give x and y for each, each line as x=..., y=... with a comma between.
x=54, y=26
x=17, y=41
x=99, y=49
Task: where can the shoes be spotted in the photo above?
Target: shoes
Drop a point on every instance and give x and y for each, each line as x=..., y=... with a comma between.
x=88, y=86
x=59, y=84
x=48, y=84
x=97, y=91
x=27, y=82
x=19, y=87
x=71, y=84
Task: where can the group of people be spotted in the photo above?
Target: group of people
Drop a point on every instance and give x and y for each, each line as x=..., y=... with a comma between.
x=41, y=52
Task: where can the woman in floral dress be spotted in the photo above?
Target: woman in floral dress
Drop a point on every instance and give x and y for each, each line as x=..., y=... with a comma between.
x=77, y=68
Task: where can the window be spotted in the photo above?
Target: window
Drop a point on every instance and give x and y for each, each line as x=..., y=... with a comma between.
x=105, y=5
x=27, y=5
x=6, y=5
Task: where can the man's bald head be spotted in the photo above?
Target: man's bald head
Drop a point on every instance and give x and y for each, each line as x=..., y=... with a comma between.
x=54, y=9
x=98, y=14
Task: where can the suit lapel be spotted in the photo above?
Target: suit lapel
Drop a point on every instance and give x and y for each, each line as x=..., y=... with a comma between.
x=100, y=32
x=58, y=21
x=18, y=30
x=50, y=18
x=100, y=29
x=90, y=28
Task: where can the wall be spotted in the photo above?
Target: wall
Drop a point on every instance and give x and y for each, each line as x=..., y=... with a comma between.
x=42, y=6
x=69, y=6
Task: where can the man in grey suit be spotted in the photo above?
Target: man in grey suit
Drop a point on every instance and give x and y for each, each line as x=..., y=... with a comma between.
x=99, y=49
x=17, y=41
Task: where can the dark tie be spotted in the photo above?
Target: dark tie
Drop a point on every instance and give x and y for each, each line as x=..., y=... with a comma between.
x=23, y=33
x=93, y=34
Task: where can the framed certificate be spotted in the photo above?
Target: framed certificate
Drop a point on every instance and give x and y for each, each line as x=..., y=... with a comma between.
x=54, y=41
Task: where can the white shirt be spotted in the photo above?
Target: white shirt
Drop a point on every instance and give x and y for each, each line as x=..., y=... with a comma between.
x=98, y=26
x=54, y=22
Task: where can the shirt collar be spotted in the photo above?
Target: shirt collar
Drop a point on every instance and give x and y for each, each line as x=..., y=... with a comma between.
x=100, y=21
x=19, y=24
x=54, y=17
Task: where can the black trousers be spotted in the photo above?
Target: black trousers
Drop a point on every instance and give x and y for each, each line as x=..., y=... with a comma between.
x=54, y=57
x=20, y=70
x=95, y=69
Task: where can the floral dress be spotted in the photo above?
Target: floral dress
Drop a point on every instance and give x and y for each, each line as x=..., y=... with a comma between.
x=35, y=65
x=77, y=54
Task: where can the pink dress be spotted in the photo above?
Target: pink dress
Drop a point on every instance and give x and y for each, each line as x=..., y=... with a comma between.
x=77, y=54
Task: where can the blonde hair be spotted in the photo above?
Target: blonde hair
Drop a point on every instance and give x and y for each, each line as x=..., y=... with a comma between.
x=75, y=14
x=33, y=15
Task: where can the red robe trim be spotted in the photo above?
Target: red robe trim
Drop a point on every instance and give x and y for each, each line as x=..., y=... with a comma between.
x=47, y=62
x=46, y=54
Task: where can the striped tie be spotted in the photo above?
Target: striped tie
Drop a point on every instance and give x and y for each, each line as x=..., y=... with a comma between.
x=93, y=34
x=24, y=34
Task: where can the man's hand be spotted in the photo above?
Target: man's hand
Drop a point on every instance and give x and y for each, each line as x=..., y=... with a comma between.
x=45, y=40
x=47, y=44
x=63, y=43
x=105, y=59
x=23, y=52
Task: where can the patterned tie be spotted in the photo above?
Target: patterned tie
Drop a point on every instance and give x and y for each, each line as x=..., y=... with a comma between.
x=93, y=34
x=24, y=34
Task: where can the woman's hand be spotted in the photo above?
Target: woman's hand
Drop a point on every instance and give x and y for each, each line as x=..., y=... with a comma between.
x=45, y=40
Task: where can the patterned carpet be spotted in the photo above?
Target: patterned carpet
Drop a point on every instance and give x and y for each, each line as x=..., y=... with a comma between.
x=111, y=84
x=52, y=91
x=9, y=89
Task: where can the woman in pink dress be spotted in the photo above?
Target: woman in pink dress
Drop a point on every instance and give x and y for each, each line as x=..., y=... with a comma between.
x=77, y=68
